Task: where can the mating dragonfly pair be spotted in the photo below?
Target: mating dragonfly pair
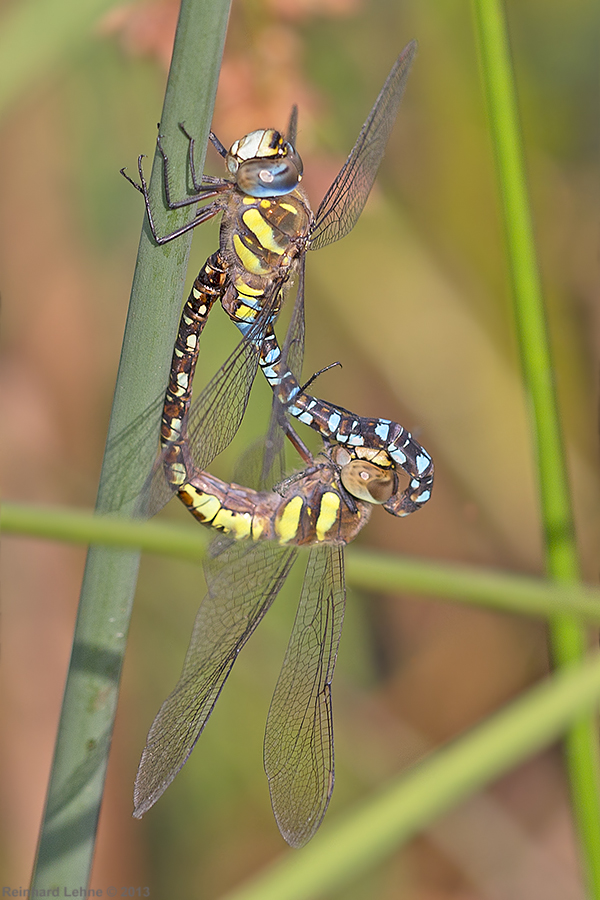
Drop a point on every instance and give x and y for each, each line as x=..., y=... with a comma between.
x=266, y=228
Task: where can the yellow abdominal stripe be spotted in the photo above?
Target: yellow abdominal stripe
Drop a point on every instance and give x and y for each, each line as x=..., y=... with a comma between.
x=237, y=524
x=330, y=504
x=210, y=510
x=245, y=312
x=206, y=504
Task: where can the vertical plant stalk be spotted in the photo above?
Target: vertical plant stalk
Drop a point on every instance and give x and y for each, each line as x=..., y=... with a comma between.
x=67, y=838
x=568, y=639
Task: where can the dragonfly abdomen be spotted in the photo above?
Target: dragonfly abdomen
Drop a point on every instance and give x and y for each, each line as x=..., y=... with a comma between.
x=207, y=288
x=380, y=441
x=312, y=509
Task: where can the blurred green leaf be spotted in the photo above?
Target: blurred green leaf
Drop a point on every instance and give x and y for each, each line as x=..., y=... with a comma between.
x=37, y=35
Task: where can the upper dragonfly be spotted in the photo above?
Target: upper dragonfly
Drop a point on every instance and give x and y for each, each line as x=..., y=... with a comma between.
x=267, y=227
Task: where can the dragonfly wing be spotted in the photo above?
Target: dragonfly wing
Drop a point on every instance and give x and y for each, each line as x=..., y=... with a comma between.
x=292, y=354
x=212, y=424
x=299, y=735
x=263, y=464
x=345, y=199
x=218, y=412
x=121, y=467
x=214, y=417
x=242, y=583
x=292, y=129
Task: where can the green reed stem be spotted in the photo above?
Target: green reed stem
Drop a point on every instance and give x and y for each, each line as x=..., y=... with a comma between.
x=568, y=638
x=67, y=839
x=366, y=569
x=343, y=850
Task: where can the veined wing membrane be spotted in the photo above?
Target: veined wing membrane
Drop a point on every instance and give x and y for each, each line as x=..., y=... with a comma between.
x=299, y=736
x=214, y=417
x=293, y=355
x=242, y=583
x=345, y=199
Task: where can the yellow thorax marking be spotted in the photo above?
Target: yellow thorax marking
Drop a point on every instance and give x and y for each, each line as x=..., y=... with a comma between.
x=330, y=504
x=289, y=207
x=250, y=261
x=253, y=220
x=286, y=526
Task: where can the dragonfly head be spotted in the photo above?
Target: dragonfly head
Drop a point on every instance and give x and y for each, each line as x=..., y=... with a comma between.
x=370, y=474
x=365, y=480
x=264, y=164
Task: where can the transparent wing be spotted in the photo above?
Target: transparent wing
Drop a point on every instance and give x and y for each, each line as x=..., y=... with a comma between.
x=345, y=199
x=121, y=482
x=218, y=412
x=214, y=417
x=243, y=581
x=299, y=735
x=292, y=354
x=263, y=465
x=292, y=129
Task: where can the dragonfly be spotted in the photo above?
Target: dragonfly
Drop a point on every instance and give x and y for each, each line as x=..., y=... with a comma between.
x=267, y=227
x=322, y=507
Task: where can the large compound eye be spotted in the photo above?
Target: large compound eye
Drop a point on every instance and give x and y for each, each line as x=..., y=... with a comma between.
x=270, y=177
x=368, y=482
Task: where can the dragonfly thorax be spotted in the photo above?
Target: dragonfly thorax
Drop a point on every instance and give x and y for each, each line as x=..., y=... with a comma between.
x=264, y=164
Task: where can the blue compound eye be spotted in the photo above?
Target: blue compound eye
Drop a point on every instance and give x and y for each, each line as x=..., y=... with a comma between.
x=269, y=177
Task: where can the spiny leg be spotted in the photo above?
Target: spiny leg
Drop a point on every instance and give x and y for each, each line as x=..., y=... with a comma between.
x=211, y=188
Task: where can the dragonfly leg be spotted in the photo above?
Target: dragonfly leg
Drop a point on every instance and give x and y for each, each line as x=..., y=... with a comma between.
x=221, y=150
x=297, y=443
x=192, y=142
x=317, y=374
x=203, y=191
x=202, y=215
x=201, y=185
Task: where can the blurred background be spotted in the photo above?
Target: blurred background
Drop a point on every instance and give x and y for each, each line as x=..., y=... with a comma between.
x=416, y=305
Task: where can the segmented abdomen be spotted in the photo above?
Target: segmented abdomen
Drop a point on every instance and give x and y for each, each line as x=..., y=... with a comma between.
x=310, y=511
x=363, y=436
x=207, y=288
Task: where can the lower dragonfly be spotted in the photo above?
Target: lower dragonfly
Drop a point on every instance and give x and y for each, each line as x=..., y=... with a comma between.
x=322, y=507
